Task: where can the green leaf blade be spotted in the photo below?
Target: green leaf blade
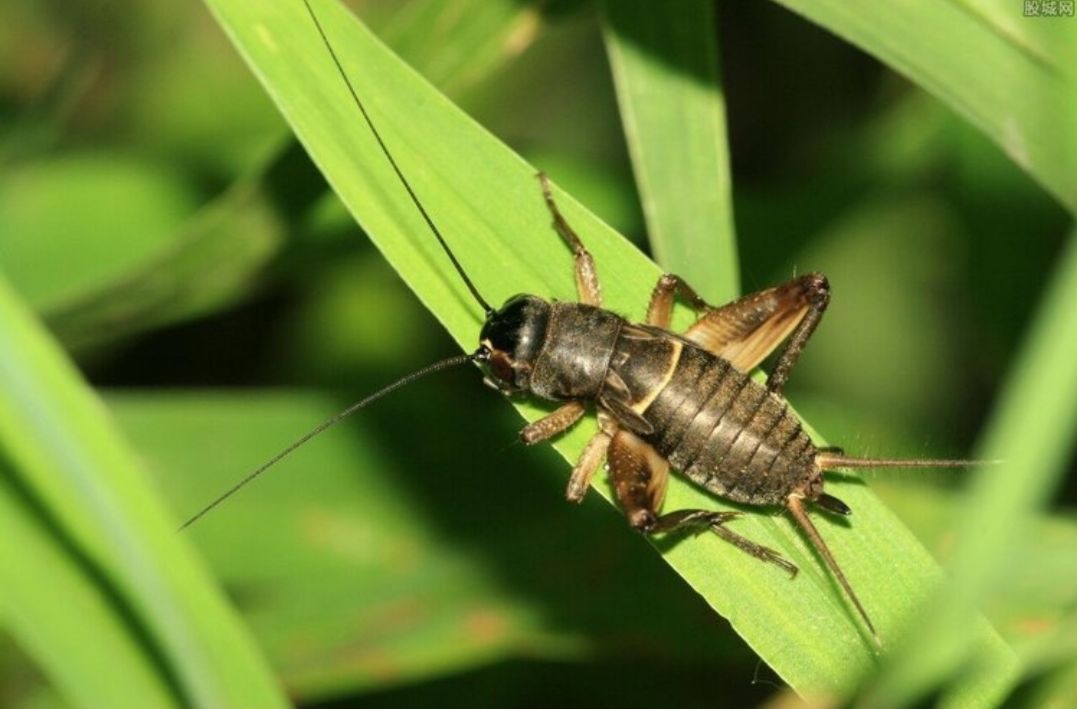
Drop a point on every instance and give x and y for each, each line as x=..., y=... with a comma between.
x=486, y=200
x=82, y=483
x=348, y=584
x=1017, y=87
x=1033, y=434
x=50, y=607
x=665, y=67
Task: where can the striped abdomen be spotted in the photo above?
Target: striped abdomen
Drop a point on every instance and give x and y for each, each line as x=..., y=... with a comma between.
x=712, y=422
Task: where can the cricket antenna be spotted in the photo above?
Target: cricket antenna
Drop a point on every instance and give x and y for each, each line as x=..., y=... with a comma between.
x=396, y=168
x=403, y=381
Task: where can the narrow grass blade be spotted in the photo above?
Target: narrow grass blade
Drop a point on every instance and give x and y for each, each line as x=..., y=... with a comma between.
x=1035, y=606
x=1033, y=432
x=487, y=202
x=94, y=514
x=214, y=260
x=1013, y=79
x=458, y=43
x=56, y=611
x=357, y=571
x=664, y=58
x=217, y=257
x=44, y=202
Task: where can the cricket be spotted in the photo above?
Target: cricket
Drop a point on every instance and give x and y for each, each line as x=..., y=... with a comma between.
x=665, y=401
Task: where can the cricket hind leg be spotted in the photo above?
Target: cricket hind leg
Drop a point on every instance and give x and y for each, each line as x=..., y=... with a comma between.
x=747, y=330
x=817, y=294
x=795, y=506
x=715, y=521
x=639, y=478
x=587, y=285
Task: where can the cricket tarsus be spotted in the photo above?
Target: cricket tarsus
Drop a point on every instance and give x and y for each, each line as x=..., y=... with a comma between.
x=396, y=168
x=404, y=381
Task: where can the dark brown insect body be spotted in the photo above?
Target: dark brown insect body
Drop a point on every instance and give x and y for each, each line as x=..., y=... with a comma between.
x=723, y=430
x=664, y=399
x=684, y=401
x=710, y=420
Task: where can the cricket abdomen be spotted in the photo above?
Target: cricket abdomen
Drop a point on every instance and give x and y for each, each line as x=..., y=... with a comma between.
x=715, y=424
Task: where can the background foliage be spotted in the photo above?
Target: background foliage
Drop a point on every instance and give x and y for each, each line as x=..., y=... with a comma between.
x=155, y=215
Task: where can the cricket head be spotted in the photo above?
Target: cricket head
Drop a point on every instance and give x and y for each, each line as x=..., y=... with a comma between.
x=510, y=340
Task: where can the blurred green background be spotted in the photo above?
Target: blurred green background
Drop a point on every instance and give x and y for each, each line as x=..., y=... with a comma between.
x=157, y=216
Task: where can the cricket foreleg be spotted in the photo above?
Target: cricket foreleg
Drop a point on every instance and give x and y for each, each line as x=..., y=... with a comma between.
x=552, y=424
x=639, y=478
x=587, y=286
